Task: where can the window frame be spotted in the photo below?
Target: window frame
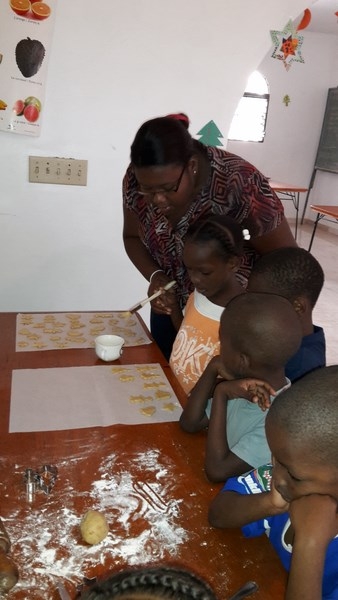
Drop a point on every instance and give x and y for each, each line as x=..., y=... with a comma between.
x=264, y=114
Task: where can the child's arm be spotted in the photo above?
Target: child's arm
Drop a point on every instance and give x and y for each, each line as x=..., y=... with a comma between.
x=230, y=509
x=220, y=462
x=193, y=417
x=315, y=523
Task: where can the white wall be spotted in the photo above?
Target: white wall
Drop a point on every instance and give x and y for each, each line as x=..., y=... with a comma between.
x=112, y=66
x=289, y=150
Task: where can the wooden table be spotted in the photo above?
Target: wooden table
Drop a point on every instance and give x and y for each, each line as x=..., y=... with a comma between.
x=163, y=519
x=324, y=211
x=288, y=191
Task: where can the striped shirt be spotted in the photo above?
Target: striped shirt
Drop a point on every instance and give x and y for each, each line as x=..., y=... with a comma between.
x=234, y=188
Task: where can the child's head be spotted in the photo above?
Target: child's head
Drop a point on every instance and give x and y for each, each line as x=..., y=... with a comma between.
x=302, y=432
x=290, y=272
x=212, y=254
x=259, y=333
x=156, y=582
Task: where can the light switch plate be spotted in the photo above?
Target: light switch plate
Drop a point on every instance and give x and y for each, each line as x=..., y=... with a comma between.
x=55, y=170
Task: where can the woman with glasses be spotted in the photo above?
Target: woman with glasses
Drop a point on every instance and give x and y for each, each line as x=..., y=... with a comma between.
x=172, y=181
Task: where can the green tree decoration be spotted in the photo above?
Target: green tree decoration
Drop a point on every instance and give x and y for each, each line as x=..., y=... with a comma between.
x=210, y=134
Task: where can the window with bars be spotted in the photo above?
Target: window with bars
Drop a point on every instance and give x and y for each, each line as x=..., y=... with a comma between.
x=249, y=121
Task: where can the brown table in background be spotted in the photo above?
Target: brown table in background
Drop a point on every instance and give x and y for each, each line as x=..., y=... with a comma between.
x=324, y=211
x=224, y=558
x=288, y=191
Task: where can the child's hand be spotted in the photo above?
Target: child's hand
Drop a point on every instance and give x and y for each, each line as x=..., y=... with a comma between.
x=259, y=393
x=254, y=390
x=277, y=499
x=315, y=517
x=216, y=366
x=315, y=523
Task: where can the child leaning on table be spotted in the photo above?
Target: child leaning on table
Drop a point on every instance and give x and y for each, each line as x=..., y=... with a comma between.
x=295, y=501
x=258, y=335
x=296, y=275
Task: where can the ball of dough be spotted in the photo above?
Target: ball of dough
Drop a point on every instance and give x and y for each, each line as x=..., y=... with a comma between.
x=94, y=527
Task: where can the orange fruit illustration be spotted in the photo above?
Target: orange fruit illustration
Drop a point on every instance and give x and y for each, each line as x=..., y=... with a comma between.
x=20, y=7
x=40, y=10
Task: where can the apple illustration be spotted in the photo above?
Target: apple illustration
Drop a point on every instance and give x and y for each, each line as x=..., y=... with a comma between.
x=33, y=100
x=18, y=107
x=31, y=113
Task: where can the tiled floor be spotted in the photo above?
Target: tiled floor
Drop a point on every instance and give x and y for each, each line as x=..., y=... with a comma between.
x=325, y=249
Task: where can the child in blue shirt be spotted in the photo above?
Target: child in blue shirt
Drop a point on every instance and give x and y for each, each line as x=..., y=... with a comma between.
x=297, y=276
x=295, y=499
x=258, y=335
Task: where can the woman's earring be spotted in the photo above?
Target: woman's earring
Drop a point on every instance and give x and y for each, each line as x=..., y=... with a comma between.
x=194, y=167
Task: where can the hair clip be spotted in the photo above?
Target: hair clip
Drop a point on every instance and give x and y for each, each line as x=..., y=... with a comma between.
x=246, y=234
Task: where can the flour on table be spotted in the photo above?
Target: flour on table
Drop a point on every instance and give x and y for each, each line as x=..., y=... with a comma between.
x=143, y=515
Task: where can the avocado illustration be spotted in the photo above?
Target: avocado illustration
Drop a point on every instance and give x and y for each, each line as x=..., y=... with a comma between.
x=29, y=55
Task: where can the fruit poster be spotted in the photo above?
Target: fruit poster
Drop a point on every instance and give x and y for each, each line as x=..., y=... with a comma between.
x=26, y=28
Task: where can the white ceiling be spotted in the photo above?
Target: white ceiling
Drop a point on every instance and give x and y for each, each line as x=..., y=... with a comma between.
x=323, y=18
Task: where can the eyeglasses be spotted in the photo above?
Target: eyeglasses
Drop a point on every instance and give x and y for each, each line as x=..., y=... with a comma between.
x=165, y=190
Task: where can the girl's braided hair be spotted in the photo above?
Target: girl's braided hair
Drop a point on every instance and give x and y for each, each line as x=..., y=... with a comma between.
x=223, y=230
x=149, y=583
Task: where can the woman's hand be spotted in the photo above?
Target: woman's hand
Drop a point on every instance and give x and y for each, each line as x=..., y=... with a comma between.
x=167, y=302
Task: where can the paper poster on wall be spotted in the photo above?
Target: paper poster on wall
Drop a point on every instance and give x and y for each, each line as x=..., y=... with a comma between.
x=26, y=29
x=287, y=45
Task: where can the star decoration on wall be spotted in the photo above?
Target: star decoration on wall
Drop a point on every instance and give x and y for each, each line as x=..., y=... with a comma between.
x=287, y=45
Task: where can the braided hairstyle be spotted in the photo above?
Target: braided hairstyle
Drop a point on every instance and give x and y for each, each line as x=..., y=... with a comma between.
x=222, y=230
x=148, y=583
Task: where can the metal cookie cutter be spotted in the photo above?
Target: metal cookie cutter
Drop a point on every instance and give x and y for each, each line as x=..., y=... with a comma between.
x=31, y=481
x=46, y=477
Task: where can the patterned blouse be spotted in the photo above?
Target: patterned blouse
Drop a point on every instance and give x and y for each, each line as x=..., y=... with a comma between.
x=235, y=188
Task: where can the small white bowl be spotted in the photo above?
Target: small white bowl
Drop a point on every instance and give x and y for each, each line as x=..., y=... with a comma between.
x=109, y=347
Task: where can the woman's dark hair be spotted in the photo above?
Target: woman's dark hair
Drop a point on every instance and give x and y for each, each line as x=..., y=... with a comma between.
x=163, y=141
x=151, y=582
x=223, y=230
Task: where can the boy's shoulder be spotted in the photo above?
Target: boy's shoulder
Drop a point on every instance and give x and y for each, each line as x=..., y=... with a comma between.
x=254, y=482
x=310, y=356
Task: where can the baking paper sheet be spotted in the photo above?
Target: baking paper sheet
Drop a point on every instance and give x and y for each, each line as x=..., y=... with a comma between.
x=77, y=397
x=52, y=331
